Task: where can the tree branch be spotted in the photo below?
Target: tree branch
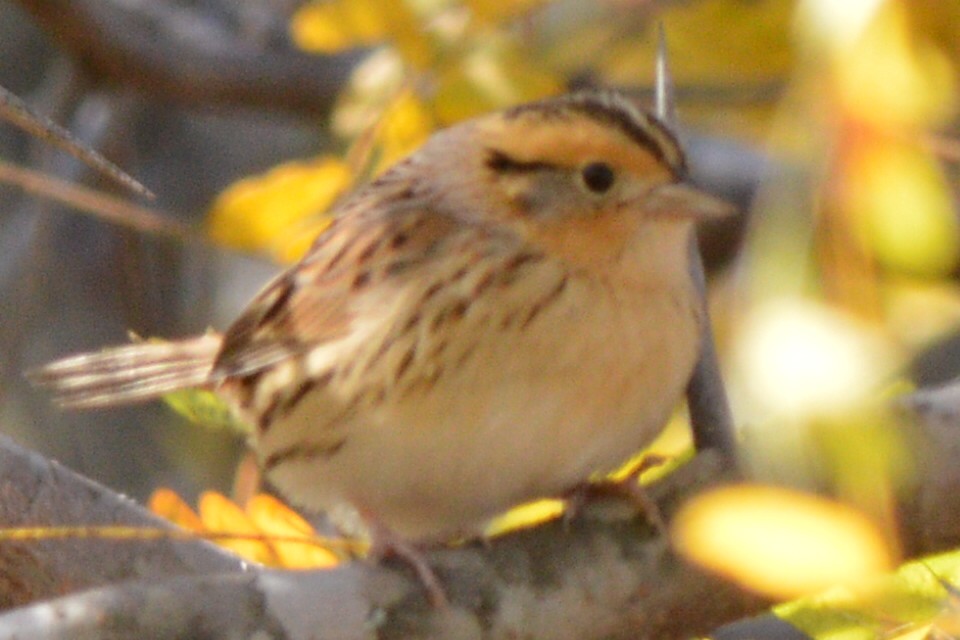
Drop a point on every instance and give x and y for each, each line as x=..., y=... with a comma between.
x=38, y=492
x=590, y=578
x=600, y=576
x=180, y=54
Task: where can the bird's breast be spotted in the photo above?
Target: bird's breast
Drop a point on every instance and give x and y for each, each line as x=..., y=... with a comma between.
x=519, y=394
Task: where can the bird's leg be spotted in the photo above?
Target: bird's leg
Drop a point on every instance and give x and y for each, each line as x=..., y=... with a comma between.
x=386, y=542
x=628, y=488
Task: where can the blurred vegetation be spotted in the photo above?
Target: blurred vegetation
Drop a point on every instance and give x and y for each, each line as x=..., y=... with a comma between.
x=848, y=272
x=849, y=266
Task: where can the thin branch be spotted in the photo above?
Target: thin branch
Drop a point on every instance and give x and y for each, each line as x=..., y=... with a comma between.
x=98, y=204
x=710, y=416
x=15, y=110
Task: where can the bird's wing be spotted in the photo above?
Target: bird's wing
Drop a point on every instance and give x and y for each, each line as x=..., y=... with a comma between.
x=314, y=302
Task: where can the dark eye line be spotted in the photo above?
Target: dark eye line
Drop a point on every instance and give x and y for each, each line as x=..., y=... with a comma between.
x=502, y=163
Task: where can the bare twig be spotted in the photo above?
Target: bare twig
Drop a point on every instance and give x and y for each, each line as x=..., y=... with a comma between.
x=95, y=203
x=15, y=110
x=710, y=415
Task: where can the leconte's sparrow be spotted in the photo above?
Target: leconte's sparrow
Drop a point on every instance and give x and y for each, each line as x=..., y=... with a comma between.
x=499, y=315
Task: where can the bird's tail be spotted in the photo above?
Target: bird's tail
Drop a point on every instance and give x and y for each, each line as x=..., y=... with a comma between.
x=128, y=374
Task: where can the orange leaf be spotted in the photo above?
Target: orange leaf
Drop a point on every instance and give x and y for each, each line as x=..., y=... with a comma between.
x=167, y=504
x=220, y=515
x=274, y=518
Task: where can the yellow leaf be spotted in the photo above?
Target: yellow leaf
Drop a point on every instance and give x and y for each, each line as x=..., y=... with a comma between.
x=167, y=504
x=670, y=450
x=493, y=11
x=402, y=125
x=220, y=515
x=300, y=238
x=889, y=76
x=328, y=27
x=407, y=33
x=405, y=124
x=525, y=515
x=904, y=207
x=923, y=632
x=273, y=518
x=279, y=211
x=919, y=597
x=492, y=76
x=779, y=542
x=712, y=43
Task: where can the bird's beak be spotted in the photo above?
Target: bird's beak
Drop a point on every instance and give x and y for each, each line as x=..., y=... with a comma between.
x=685, y=201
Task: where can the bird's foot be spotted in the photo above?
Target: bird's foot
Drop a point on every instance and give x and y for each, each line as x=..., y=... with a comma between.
x=626, y=488
x=385, y=542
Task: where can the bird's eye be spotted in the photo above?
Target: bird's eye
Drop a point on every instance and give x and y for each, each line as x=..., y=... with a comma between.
x=597, y=176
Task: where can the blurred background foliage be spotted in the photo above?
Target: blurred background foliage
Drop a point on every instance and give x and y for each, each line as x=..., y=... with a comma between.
x=832, y=125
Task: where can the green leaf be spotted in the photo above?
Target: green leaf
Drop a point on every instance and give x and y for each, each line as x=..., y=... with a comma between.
x=206, y=408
